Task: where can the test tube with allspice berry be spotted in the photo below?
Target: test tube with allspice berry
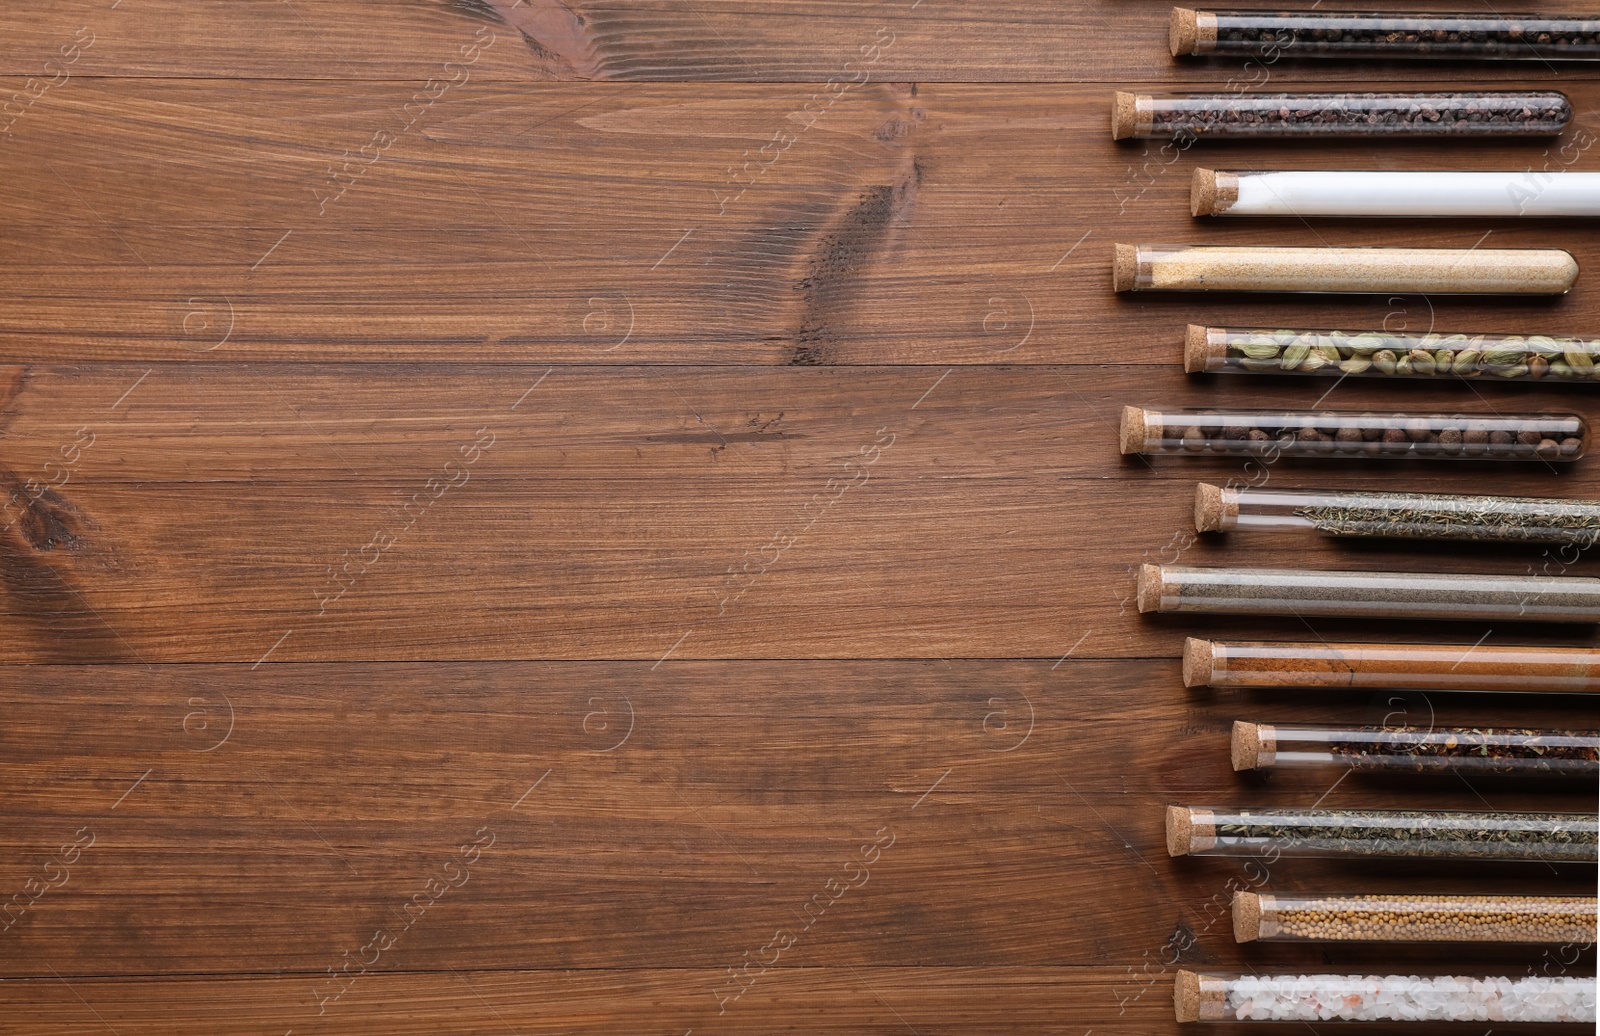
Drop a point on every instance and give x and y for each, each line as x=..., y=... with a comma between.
x=1529, y=668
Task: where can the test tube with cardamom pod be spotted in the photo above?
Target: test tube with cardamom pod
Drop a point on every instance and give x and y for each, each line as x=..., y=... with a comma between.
x=1479, y=35
x=1311, y=917
x=1515, y=113
x=1530, y=668
x=1403, y=194
x=1552, y=359
x=1411, y=833
x=1353, y=435
x=1332, y=270
x=1198, y=997
x=1421, y=516
x=1293, y=592
x=1469, y=751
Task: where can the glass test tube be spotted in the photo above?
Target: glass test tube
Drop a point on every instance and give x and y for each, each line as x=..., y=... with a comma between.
x=1350, y=434
x=1378, y=998
x=1271, y=35
x=1382, y=354
x=1422, y=667
x=1439, y=271
x=1306, y=917
x=1423, y=516
x=1400, y=193
x=1469, y=751
x=1430, y=834
x=1286, y=592
x=1513, y=113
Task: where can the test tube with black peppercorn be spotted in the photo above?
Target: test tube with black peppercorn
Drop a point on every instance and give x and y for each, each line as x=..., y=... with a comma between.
x=1350, y=34
x=1430, y=834
x=1383, y=354
x=1502, y=114
x=1469, y=751
x=1308, y=917
x=1436, y=516
x=1530, y=668
x=1376, y=595
x=1352, y=434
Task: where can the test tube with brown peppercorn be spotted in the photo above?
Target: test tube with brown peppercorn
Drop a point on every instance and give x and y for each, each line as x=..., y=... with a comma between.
x=1331, y=434
x=1381, y=354
x=1424, y=516
x=1485, y=35
x=1430, y=834
x=1469, y=751
x=1538, y=669
x=1376, y=595
x=1307, y=917
x=1505, y=114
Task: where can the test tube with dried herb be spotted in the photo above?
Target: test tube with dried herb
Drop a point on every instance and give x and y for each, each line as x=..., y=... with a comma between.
x=1469, y=751
x=1430, y=516
x=1349, y=434
x=1430, y=834
x=1307, y=917
x=1400, y=193
x=1293, y=592
x=1479, y=35
x=1379, y=998
x=1422, y=667
x=1516, y=113
x=1550, y=359
x=1330, y=270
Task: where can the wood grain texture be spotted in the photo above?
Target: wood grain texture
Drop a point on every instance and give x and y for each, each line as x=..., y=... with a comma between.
x=455, y=484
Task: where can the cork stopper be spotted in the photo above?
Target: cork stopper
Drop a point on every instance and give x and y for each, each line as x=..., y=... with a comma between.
x=1186, y=996
x=1134, y=430
x=1216, y=508
x=1199, y=656
x=1149, y=588
x=1198, y=350
x=1124, y=267
x=1246, y=917
x=1246, y=745
x=1190, y=830
x=1212, y=192
x=1124, y=116
x=1184, y=33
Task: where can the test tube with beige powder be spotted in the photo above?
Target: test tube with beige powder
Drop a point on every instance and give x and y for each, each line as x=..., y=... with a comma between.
x=1309, y=917
x=1274, y=268
x=1422, y=667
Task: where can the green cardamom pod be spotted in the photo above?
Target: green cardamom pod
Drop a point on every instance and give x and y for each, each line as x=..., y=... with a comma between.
x=1355, y=365
x=1259, y=365
x=1295, y=355
x=1506, y=370
x=1403, y=366
x=1466, y=362
x=1365, y=345
x=1559, y=369
x=1421, y=361
x=1443, y=360
x=1547, y=347
x=1580, y=361
x=1256, y=350
x=1503, y=356
x=1384, y=360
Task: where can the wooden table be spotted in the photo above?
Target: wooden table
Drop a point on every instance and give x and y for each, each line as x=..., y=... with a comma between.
x=607, y=519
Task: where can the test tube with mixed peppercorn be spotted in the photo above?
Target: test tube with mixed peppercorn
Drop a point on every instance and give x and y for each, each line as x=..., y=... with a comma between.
x=1481, y=35
x=1519, y=113
x=1469, y=751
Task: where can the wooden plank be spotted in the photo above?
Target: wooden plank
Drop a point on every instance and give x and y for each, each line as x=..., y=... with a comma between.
x=596, y=223
x=194, y=512
x=254, y=820
x=709, y=40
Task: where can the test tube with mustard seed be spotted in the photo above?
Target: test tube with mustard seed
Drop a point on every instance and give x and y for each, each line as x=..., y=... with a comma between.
x=1529, y=668
x=1354, y=833
x=1201, y=997
x=1309, y=917
x=1555, y=359
x=1480, y=35
x=1356, y=514
x=1518, y=113
x=1328, y=270
x=1468, y=751
x=1353, y=435
x=1291, y=592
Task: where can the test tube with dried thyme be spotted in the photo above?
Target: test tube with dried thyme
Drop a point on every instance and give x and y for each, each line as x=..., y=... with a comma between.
x=1518, y=113
x=1553, y=359
x=1307, y=917
x=1328, y=270
x=1349, y=434
x=1200, y=997
x=1424, y=516
x=1485, y=35
x=1422, y=667
x=1469, y=751
x=1429, y=834
x=1291, y=592
x=1402, y=193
